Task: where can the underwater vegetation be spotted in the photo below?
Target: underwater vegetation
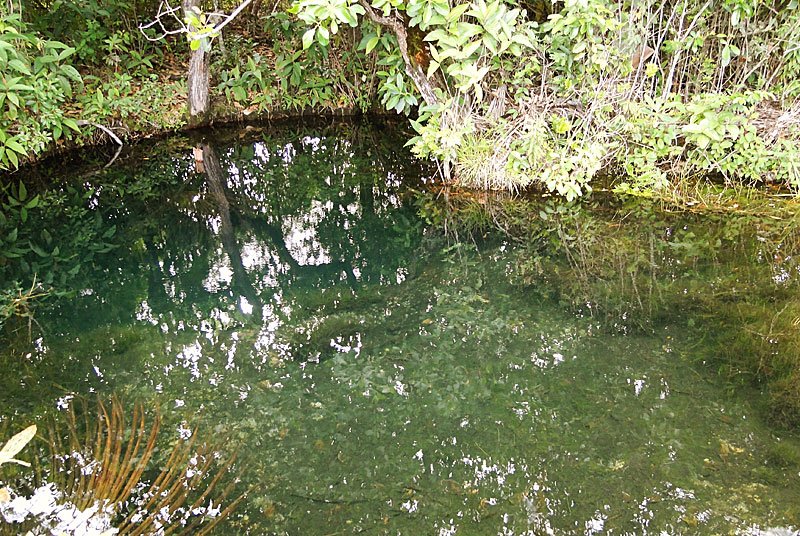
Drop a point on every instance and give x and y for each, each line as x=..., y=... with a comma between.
x=634, y=265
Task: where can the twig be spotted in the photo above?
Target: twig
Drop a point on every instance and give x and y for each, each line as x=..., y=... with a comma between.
x=101, y=127
x=233, y=14
x=683, y=35
x=166, y=10
x=110, y=135
x=169, y=11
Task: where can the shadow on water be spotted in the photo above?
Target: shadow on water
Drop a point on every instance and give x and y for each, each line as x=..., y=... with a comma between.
x=283, y=290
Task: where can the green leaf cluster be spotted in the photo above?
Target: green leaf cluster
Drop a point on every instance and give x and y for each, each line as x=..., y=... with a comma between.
x=35, y=82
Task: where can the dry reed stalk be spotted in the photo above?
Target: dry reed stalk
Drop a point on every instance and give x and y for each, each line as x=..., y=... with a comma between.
x=98, y=458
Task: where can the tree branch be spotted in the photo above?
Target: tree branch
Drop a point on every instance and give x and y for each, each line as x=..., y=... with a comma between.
x=165, y=10
x=413, y=68
x=232, y=16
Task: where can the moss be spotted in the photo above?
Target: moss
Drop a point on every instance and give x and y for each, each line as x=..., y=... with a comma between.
x=785, y=397
x=764, y=345
x=784, y=455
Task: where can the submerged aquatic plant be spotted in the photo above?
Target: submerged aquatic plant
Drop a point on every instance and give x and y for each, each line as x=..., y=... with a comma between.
x=17, y=303
x=100, y=478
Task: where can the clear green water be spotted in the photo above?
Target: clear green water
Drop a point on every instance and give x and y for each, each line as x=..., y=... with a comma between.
x=378, y=379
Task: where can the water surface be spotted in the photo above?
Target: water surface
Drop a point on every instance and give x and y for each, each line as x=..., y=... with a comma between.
x=377, y=377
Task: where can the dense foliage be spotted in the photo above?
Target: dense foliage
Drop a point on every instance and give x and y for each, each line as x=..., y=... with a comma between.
x=36, y=81
x=69, y=66
x=504, y=94
x=552, y=98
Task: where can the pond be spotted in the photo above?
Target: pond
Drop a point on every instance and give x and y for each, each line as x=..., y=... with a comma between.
x=277, y=292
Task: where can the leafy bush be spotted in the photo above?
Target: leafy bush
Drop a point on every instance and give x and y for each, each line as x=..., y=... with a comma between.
x=663, y=91
x=35, y=83
x=733, y=136
x=125, y=103
x=260, y=75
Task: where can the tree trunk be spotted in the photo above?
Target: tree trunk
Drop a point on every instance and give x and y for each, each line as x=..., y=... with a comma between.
x=198, y=79
x=216, y=178
x=414, y=62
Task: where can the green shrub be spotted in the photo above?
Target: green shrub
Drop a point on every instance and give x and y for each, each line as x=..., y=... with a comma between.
x=35, y=82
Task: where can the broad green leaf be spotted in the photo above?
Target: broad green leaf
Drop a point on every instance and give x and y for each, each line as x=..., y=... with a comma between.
x=357, y=9
x=13, y=144
x=726, y=56
x=372, y=43
x=57, y=45
x=346, y=16
x=436, y=35
x=443, y=9
x=470, y=49
x=67, y=52
x=522, y=39
x=39, y=251
x=308, y=38
x=392, y=102
x=435, y=53
x=466, y=30
x=18, y=66
x=239, y=93
x=71, y=73
x=323, y=36
x=71, y=123
x=456, y=12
